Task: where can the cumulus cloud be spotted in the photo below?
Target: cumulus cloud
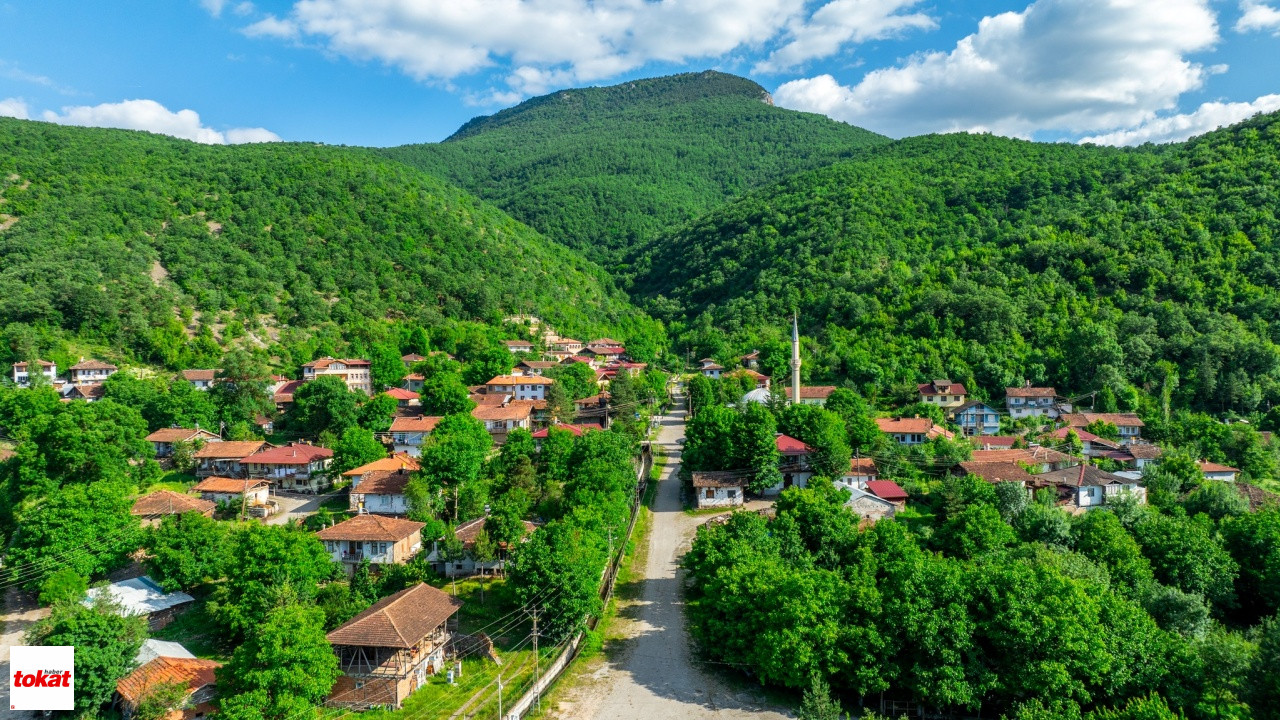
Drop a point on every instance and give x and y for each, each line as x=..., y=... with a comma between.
x=838, y=23
x=1174, y=128
x=213, y=7
x=153, y=117
x=539, y=44
x=1076, y=66
x=1257, y=15
x=15, y=108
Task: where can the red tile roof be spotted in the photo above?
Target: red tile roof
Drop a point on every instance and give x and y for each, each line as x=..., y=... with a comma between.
x=424, y=423
x=384, y=482
x=93, y=365
x=994, y=441
x=520, y=380
x=912, y=426
x=284, y=393
x=788, y=445
x=1001, y=471
x=228, y=485
x=325, y=362
x=935, y=388
x=371, y=527
x=191, y=672
x=168, y=502
x=1206, y=466
x=291, y=454
x=862, y=466
x=401, y=394
x=812, y=392
x=1035, y=455
x=401, y=620
x=886, y=490
x=1117, y=419
x=514, y=410
x=230, y=449
x=195, y=375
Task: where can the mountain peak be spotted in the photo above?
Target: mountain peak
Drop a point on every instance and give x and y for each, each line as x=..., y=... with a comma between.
x=645, y=93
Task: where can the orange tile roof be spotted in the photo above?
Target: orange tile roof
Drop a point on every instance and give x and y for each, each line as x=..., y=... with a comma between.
x=194, y=375
x=398, y=461
x=1030, y=392
x=291, y=454
x=1034, y=455
x=401, y=394
x=384, y=482
x=192, y=672
x=862, y=466
x=1206, y=466
x=228, y=485
x=1005, y=471
x=371, y=527
x=422, y=423
x=230, y=449
x=172, y=435
x=168, y=502
x=813, y=392
x=514, y=410
x=913, y=426
x=93, y=365
x=1117, y=419
x=521, y=380
x=401, y=620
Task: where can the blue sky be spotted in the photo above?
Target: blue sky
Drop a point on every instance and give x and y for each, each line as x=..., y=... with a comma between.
x=386, y=72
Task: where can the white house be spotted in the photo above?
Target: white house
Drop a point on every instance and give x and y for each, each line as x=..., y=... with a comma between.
x=382, y=492
x=1128, y=424
x=200, y=379
x=467, y=533
x=1085, y=487
x=1214, y=471
x=518, y=346
x=409, y=433
x=500, y=420
x=912, y=431
x=296, y=466
x=719, y=488
x=1027, y=401
x=861, y=471
x=230, y=490
x=381, y=539
x=163, y=439
x=520, y=387
x=353, y=371
x=90, y=371
x=22, y=376
x=710, y=368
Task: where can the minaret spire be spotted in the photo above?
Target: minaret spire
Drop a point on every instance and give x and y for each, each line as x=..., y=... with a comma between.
x=795, y=358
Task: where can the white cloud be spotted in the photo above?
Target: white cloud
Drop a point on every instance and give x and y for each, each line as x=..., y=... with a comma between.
x=242, y=9
x=540, y=44
x=1175, y=128
x=840, y=22
x=14, y=108
x=1077, y=66
x=214, y=7
x=1257, y=15
x=153, y=117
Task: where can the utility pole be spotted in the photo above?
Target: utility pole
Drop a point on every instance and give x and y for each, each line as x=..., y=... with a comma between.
x=499, y=695
x=537, y=675
x=244, y=499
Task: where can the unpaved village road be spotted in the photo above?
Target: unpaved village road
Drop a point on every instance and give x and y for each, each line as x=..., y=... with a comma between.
x=655, y=677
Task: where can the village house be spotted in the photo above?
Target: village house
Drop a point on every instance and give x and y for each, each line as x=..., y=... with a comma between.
x=396, y=461
x=995, y=471
x=200, y=379
x=710, y=368
x=861, y=471
x=567, y=345
x=223, y=458
x=408, y=434
x=1035, y=458
x=913, y=430
x=381, y=491
x=811, y=394
x=518, y=346
x=392, y=648
x=1091, y=445
x=793, y=463
x=155, y=506
x=977, y=418
x=869, y=507
x=531, y=387
x=605, y=354
x=88, y=392
x=1216, y=471
x=353, y=371
x=1142, y=454
x=141, y=597
x=90, y=371
x=295, y=466
x=722, y=488
x=1129, y=425
x=411, y=359
x=414, y=382
x=760, y=381
x=1085, y=486
x=195, y=677
x=467, y=565
x=282, y=393
x=889, y=491
x=383, y=540
x=943, y=393
x=163, y=439
x=230, y=490
x=22, y=373
x=500, y=420
x=994, y=442
x=525, y=368
x=404, y=398
x=1030, y=401
x=752, y=360
x=605, y=342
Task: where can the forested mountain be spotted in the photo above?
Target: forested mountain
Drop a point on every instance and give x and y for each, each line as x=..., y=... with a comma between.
x=601, y=169
x=136, y=242
x=992, y=261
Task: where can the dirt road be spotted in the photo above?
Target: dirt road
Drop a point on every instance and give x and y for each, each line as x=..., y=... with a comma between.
x=655, y=676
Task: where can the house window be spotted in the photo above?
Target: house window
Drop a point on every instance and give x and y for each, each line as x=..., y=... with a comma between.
x=359, y=684
x=711, y=493
x=733, y=493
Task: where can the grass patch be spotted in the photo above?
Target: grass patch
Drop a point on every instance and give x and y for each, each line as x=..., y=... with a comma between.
x=172, y=480
x=195, y=629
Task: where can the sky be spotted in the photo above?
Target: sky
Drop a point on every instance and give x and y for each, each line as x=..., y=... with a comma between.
x=390, y=72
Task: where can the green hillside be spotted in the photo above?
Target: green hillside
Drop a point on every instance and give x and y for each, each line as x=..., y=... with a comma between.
x=135, y=243
x=992, y=261
x=601, y=169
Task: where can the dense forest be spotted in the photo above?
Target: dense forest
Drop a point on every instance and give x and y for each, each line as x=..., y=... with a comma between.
x=163, y=251
x=994, y=261
x=601, y=169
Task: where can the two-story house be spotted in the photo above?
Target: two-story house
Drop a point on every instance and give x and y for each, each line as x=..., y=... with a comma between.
x=392, y=648
x=1085, y=487
x=90, y=371
x=353, y=371
x=1128, y=424
x=913, y=430
x=201, y=379
x=943, y=393
x=296, y=466
x=409, y=433
x=396, y=461
x=22, y=370
x=382, y=492
x=383, y=540
x=528, y=387
x=811, y=394
x=710, y=368
x=518, y=346
x=500, y=420
x=977, y=418
x=224, y=458
x=163, y=439
x=567, y=345
x=1027, y=401
x=751, y=360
